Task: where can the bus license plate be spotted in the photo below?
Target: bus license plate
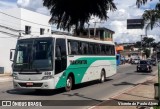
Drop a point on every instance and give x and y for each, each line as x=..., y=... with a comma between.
x=29, y=84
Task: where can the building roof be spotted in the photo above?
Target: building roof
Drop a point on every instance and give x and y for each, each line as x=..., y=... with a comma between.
x=102, y=28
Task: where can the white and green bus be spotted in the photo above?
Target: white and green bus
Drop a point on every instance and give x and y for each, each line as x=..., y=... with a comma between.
x=51, y=62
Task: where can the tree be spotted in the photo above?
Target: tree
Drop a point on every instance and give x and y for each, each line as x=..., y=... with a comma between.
x=141, y=2
x=138, y=44
x=147, y=42
x=152, y=17
x=67, y=13
x=147, y=53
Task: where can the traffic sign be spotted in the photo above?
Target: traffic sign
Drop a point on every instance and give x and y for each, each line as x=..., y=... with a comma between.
x=135, y=23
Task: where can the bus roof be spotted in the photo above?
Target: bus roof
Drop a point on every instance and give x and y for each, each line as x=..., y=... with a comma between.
x=68, y=37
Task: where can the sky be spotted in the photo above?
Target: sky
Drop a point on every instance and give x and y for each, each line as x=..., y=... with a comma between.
x=126, y=9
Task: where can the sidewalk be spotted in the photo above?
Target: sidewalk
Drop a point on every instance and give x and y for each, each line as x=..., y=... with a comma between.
x=5, y=74
x=6, y=77
x=143, y=91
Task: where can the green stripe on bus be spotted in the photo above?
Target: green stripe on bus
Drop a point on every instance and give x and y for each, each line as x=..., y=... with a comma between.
x=83, y=68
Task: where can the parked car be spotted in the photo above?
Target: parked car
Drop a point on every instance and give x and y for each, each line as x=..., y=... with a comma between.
x=144, y=65
x=154, y=62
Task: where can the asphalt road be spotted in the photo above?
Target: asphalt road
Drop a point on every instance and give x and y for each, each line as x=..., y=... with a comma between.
x=94, y=91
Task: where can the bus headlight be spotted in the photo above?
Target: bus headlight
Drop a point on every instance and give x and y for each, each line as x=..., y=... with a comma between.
x=15, y=76
x=46, y=77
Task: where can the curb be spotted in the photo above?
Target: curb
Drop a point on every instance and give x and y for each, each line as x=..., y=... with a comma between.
x=126, y=90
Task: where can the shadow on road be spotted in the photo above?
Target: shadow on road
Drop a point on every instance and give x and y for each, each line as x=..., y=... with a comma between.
x=35, y=92
x=141, y=73
x=50, y=92
x=125, y=83
x=90, y=83
x=82, y=96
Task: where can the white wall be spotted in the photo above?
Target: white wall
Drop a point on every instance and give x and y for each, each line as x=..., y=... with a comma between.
x=40, y=21
x=11, y=21
x=5, y=45
x=7, y=41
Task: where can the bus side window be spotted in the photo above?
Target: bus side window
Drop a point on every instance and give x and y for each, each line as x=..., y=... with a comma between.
x=84, y=48
x=61, y=61
x=73, y=47
x=90, y=49
x=69, y=48
x=103, y=49
x=113, y=50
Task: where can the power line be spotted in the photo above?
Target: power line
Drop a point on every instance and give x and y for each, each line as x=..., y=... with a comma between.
x=9, y=28
x=12, y=35
x=23, y=19
x=8, y=22
x=5, y=37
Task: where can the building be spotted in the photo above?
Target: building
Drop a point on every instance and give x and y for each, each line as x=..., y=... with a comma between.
x=98, y=33
x=15, y=23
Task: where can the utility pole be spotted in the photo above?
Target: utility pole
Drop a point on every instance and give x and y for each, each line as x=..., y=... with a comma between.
x=88, y=30
x=95, y=28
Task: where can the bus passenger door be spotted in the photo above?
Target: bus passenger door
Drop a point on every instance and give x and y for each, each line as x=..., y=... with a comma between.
x=60, y=59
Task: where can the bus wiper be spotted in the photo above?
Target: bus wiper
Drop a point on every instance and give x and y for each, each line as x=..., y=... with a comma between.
x=37, y=70
x=22, y=68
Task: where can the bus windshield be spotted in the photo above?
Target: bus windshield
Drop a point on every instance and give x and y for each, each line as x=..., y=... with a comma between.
x=34, y=54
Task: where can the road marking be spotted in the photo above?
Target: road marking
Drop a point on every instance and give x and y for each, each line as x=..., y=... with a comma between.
x=125, y=90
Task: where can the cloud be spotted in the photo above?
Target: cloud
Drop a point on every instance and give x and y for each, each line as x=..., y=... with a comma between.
x=34, y=5
x=117, y=20
x=7, y=5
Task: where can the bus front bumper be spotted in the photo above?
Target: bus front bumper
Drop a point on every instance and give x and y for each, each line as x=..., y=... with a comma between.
x=42, y=84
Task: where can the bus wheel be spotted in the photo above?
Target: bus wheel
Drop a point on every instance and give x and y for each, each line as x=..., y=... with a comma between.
x=69, y=84
x=102, y=78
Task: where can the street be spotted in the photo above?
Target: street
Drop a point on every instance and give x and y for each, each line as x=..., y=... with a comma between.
x=125, y=78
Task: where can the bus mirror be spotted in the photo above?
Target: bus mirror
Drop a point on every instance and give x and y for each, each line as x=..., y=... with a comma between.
x=58, y=52
x=11, y=54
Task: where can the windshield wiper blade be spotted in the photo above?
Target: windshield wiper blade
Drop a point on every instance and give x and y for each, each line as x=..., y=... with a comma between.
x=37, y=70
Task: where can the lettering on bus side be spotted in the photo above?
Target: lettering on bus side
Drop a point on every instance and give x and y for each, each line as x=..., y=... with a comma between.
x=75, y=62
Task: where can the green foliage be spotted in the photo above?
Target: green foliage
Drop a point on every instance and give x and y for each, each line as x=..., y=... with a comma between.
x=147, y=41
x=67, y=13
x=152, y=16
x=138, y=44
x=147, y=53
x=141, y=2
x=156, y=107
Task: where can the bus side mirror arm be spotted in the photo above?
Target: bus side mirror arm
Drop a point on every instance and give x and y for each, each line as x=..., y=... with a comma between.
x=11, y=54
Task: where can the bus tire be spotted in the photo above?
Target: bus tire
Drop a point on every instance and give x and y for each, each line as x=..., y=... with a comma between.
x=102, y=77
x=69, y=83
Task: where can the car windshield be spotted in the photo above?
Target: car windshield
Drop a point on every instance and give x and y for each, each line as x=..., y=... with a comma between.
x=33, y=54
x=143, y=62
